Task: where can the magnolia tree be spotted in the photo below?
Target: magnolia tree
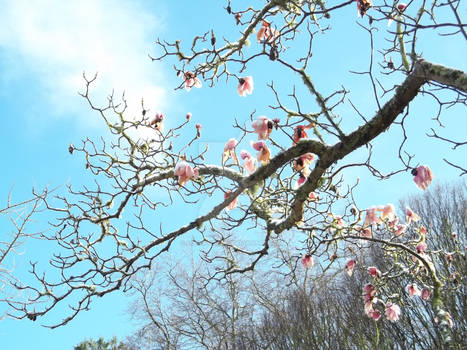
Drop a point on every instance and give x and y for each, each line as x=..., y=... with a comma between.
x=282, y=175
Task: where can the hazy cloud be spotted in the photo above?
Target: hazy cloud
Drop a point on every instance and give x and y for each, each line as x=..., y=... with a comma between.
x=54, y=41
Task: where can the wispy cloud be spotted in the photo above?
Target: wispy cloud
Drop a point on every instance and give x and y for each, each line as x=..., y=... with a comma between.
x=53, y=41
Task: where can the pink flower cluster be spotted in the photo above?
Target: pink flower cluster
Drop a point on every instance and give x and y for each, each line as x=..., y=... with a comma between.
x=387, y=213
x=413, y=290
x=369, y=293
x=392, y=311
x=388, y=216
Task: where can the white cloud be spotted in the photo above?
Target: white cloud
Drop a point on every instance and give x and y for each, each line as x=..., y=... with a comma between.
x=54, y=41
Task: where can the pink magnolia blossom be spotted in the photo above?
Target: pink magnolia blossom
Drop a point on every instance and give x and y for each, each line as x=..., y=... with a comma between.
x=400, y=8
x=410, y=216
x=303, y=162
x=188, y=116
x=366, y=232
x=423, y=230
x=229, y=151
x=376, y=315
x=422, y=176
x=300, y=133
x=245, y=86
x=399, y=229
x=185, y=172
x=449, y=257
x=421, y=247
x=264, y=154
x=374, y=272
x=388, y=212
x=263, y=127
x=198, y=130
x=307, y=261
x=266, y=33
x=369, y=297
x=191, y=81
x=313, y=196
x=425, y=294
x=412, y=289
x=393, y=312
x=362, y=7
x=371, y=217
x=232, y=204
x=369, y=288
x=363, y=231
x=370, y=292
x=300, y=181
x=158, y=122
x=350, y=266
x=338, y=221
x=238, y=17
x=368, y=308
x=392, y=224
x=249, y=162
x=371, y=312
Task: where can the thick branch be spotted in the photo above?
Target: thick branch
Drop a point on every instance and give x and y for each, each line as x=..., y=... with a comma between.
x=364, y=134
x=442, y=74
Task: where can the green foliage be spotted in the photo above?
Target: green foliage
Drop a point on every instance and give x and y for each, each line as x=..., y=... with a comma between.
x=101, y=344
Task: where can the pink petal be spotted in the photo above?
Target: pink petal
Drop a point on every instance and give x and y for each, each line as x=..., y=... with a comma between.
x=374, y=272
x=350, y=266
x=425, y=294
x=392, y=312
x=230, y=145
x=258, y=145
x=232, y=204
x=307, y=261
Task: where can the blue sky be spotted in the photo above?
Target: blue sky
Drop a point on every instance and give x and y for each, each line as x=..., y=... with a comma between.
x=46, y=45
